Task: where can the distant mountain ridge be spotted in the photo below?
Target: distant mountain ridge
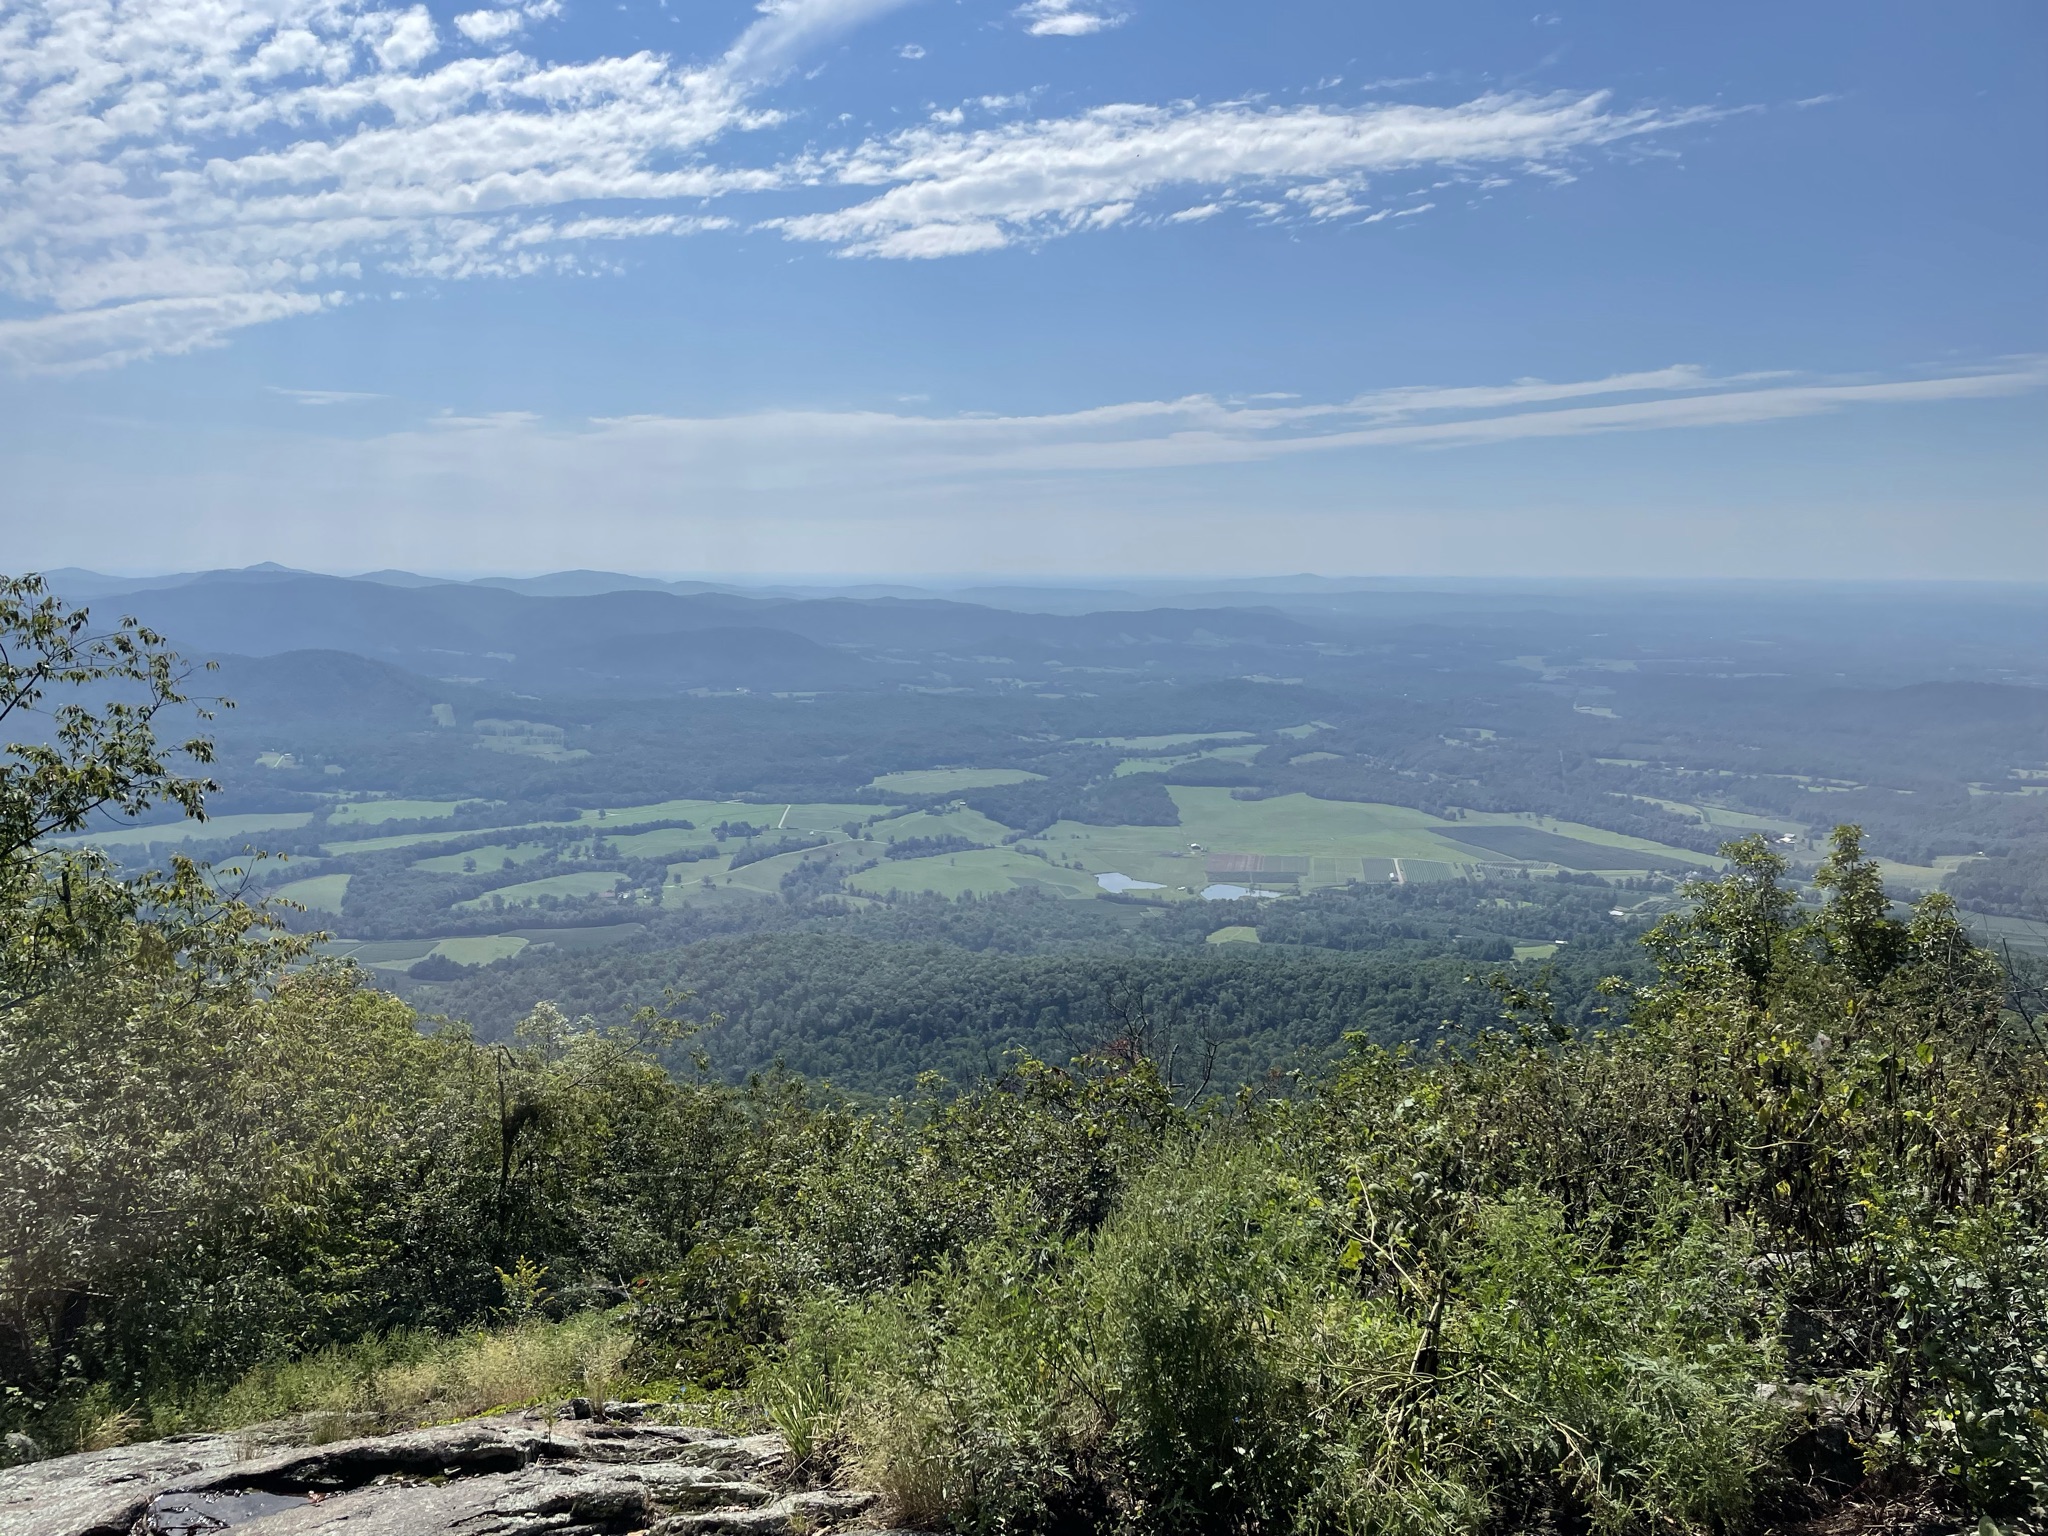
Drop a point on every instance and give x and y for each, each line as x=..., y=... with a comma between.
x=550, y=635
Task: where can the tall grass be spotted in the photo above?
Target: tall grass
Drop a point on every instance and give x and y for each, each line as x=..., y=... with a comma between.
x=404, y=1379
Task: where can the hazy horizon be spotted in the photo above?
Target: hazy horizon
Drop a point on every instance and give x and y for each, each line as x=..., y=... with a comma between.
x=1025, y=290
x=1108, y=581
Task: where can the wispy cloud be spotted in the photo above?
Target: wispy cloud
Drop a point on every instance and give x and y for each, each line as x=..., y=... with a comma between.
x=326, y=396
x=949, y=191
x=833, y=448
x=175, y=170
x=1067, y=18
x=1122, y=485
x=495, y=26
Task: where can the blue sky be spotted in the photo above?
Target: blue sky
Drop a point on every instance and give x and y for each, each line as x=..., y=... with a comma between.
x=1065, y=287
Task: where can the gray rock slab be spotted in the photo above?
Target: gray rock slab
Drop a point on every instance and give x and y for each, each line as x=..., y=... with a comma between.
x=103, y=1493
x=517, y=1474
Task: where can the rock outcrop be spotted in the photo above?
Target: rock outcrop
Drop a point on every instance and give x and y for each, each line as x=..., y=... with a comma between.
x=515, y=1474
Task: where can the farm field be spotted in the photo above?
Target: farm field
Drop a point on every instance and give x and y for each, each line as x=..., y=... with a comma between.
x=491, y=856
x=806, y=817
x=1920, y=877
x=1168, y=743
x=1336, y=841
x=943, y=781
x=1284, y=844
x=656, y=844
x=480, y=950
x=578, y=883
x=369, y=813
x=1331, y=842
x=2018, y=932
x=1242, y=753
x=957, y=822
x=981, y=871
x=824, y=816
x=615, y=825
x=213, y=829
x=401, y=954
x=320, y=893
x=1533, y=845
x=397, y=840
x=1736, y=822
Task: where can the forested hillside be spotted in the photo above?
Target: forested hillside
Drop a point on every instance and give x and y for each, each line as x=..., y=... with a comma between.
x=1747, y=1236
x=869, y=1000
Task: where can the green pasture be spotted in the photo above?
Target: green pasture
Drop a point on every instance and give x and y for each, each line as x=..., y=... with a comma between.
x=982, y=871
x=578, y=938
x=1526, y=844
x=666, y=840
x=403, y=954
x=800, y=817
x=398, y=840
x=1166, y=743
x=1236, y=933
x=578, y=883
x=826, y=817
x=694, y=893
x=381, y=954
x=1996, y=933
x=1657, y=853
x=1242, y=753
x=1737, y=823
x=1919, y=877
x=765, y=875
x=943, y=781
x=615, y=826
x=1343, y=840
x=706, y=813
x=318, y=893
x=213, y=829
x=958, y=822
x=482, y=860
x=369, y=813
x=481, y=949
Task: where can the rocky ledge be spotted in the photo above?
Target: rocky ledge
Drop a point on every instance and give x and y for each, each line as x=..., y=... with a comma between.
x=530, y=1473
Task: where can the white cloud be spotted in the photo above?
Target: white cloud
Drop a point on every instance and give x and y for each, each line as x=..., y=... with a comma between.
x=1065, y=18
x=801, y=450
x=911, y=51
x=788, y=29
x=177, y=169
x=326, y=396
x=408, y=40
x=1125, y=486
x=110, y=335
x=496, y=26
x=1035, y=180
